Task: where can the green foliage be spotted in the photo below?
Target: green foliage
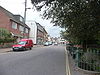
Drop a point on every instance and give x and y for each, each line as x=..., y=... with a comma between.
x=5, y=36
x=80, y=18
x=63, y=35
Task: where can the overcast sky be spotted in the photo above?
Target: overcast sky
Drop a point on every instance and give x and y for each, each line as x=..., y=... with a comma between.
x=17, y=7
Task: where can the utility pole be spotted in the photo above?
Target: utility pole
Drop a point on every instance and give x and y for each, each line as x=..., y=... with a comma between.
x=25, y=11
x=25, y=16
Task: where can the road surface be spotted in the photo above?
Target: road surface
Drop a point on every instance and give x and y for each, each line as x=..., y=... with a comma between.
x=47, y=60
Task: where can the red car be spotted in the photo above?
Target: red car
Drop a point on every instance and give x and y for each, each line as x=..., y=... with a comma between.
x=23, y=44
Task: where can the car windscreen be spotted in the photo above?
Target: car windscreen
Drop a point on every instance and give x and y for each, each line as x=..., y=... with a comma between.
x=22, y=42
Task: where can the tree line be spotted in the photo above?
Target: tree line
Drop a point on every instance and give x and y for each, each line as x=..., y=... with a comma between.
x=80, y=18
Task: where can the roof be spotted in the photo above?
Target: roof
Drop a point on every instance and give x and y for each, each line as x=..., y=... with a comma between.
x=12, y=16
x=24, y=39
x=43, y=28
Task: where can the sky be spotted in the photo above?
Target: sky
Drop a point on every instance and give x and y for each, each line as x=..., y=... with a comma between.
x=18, y=6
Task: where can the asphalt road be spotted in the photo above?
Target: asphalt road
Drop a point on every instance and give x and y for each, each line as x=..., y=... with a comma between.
x=48, y=60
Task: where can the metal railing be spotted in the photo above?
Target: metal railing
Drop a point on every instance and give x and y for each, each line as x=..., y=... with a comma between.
x=87, y=60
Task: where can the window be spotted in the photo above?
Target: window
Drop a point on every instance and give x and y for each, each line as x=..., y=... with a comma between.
x=21, y=28
x=14, y=25
x=21, y=19
x=26, y=30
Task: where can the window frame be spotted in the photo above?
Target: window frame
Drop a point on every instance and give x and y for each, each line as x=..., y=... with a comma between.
x=14, y=25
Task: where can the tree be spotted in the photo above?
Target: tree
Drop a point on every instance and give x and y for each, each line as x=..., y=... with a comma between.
x=80, y=18
x=64, y=35
x=5, y=36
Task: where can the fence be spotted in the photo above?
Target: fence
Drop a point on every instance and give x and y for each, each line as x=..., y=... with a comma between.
x=87, y=60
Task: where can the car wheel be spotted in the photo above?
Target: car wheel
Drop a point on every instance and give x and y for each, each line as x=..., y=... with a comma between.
x=30, y=48
x=14, y=50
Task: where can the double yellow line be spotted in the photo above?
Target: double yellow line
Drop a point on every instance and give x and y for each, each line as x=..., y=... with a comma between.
x=68, y=70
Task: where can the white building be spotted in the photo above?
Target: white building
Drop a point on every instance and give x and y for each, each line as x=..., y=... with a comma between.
x=33, y=31
x=37, y=32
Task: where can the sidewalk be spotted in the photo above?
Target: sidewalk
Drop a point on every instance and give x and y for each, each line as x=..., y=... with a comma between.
x=4, y=50
x=71, y=69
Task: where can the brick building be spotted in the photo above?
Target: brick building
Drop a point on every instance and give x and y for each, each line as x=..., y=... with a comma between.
x=41, y=34
x=13, y=23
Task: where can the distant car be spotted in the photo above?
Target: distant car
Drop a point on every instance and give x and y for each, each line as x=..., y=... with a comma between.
x=46, y=44
x=50, y=43
x=23, y=44
x=55, y=43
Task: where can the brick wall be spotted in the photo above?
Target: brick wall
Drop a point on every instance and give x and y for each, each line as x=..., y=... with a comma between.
x=6, y=22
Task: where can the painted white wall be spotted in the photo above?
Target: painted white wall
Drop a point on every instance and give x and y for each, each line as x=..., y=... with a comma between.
x=33, y=31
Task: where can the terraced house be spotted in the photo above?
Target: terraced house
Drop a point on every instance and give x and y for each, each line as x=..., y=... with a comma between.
x=14, y=23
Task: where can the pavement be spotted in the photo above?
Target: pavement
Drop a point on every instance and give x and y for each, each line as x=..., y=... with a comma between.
x=72, y=69
x=4, y=50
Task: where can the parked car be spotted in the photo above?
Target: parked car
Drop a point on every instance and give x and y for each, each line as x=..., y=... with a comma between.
x=55, y=43
x=46, y=44
x=23, y=44
x=50, y=43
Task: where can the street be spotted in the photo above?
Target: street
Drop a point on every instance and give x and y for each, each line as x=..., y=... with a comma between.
x=47, y=60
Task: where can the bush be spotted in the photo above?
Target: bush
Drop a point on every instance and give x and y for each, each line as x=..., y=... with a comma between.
x=5, y=36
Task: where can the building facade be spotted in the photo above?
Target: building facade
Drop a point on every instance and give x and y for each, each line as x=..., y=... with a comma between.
x=13, y=23
x=37, y=33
